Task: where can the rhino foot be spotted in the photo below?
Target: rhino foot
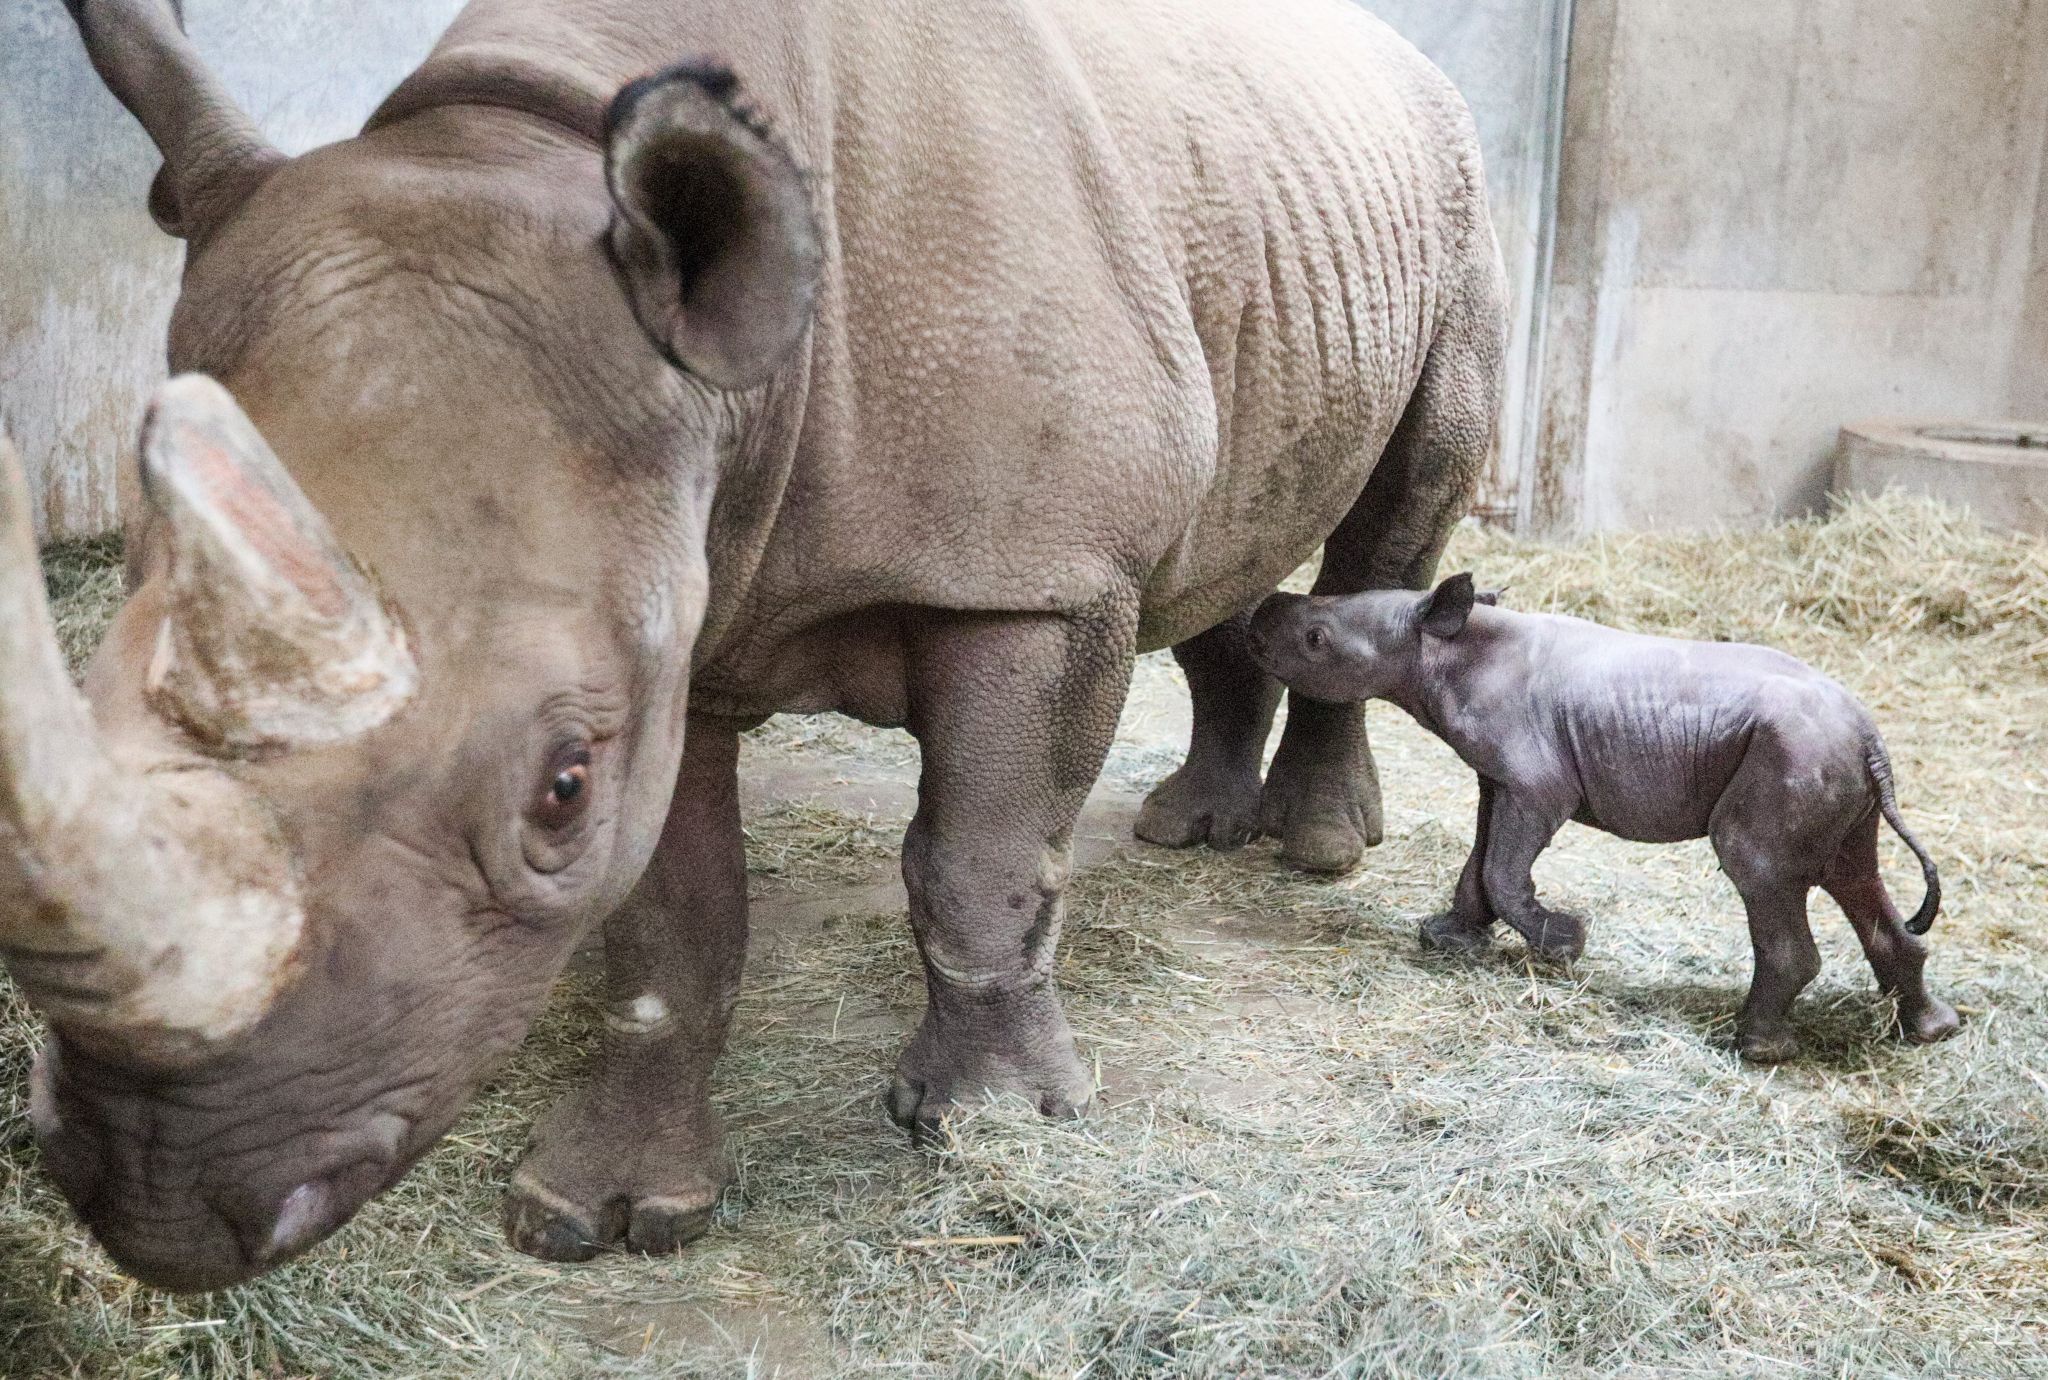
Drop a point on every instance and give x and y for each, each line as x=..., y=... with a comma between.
x=1932, y=1023
x=1325, y=813
x=1455, y=933
x=590, y=1185
x=937, y=1075
x=1201, y=804
x=1553, y=936
x=1767, y=1046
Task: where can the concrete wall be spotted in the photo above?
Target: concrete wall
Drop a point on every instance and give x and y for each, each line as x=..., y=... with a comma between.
x=2030, y=352
x=1775, y=218
x=86, y=279
x=1508, y=58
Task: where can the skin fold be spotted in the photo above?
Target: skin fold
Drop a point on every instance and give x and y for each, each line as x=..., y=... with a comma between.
x=1650, y=739
x=919, y=360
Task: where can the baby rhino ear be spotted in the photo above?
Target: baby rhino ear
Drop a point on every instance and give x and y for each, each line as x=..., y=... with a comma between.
x=1445, y=608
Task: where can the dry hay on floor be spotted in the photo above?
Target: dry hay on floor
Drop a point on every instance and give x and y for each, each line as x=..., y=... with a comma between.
x=1318, y=1151
x=85, y=588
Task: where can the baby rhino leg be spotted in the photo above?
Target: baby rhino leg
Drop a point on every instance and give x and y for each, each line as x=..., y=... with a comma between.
x=1895, y=955
x=1467, y=927
x=1767, y=845
x=1786, y=961
x=1517, y=830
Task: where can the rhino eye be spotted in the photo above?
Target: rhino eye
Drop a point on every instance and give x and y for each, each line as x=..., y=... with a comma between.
x=1318, y=638
x=568, y=788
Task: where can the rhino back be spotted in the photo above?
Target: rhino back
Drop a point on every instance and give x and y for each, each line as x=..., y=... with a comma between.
x=1118, y=295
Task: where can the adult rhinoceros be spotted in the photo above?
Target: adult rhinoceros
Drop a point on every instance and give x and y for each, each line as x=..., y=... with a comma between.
x=923, y=360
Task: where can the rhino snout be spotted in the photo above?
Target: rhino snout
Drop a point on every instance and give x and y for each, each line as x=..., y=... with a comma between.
x=186, y=1225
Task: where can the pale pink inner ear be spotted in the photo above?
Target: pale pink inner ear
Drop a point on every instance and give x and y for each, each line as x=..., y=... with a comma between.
x=262, y=519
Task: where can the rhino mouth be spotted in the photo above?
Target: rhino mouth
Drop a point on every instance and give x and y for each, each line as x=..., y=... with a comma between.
x=220, y=1231
x=229, y=1238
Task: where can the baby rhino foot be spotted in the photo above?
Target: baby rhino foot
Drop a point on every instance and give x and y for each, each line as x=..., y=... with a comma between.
x=1553, y=936
x=1202, y=804
x=1454, y=933
x=1930, y=1024
x=938, y=1074
x=590, y=1183
x=1772, y=1046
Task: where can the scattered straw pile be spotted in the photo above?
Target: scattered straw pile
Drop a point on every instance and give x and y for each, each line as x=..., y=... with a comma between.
x=1876, y=571
x=85, y=589
x=1318, y=1150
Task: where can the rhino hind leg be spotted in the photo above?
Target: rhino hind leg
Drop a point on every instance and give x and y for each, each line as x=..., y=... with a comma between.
x=636, y=1156
x=1769, y=840
x=1896, y=955
x=1213, y=798
x=1786, y=961
x=1013, y=716
x=1322, y=796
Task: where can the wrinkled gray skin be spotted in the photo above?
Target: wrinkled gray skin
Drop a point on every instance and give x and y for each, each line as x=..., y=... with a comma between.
x=966, y=350
x=1651, y=739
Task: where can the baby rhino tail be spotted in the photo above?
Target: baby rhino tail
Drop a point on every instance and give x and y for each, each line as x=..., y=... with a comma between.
x=1880, y=764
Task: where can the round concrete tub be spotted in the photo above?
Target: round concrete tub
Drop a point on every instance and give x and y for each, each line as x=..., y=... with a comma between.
x=1998, y=470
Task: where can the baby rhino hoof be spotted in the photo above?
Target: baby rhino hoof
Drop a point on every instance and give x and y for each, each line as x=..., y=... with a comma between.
x=1767, y=1047
x=1452, y=933
x=1555, y=938
x=1931, y=1024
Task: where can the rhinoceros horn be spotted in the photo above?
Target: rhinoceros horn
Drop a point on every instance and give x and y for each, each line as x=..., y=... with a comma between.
x=274, y=638
x=146, y=898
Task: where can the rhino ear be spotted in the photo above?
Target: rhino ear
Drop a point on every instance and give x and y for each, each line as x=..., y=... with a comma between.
x=712, y=230
x=1445, y=609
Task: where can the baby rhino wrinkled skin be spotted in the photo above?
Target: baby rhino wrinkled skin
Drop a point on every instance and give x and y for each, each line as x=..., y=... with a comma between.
x=1651, y=739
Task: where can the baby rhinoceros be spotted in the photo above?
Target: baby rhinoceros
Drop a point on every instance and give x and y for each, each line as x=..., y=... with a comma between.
x=1649, y=738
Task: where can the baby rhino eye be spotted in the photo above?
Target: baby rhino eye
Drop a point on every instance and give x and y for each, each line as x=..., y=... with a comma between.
x=1318, y=638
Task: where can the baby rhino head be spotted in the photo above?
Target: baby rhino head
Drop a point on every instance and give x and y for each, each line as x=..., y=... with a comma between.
x=1358, y=646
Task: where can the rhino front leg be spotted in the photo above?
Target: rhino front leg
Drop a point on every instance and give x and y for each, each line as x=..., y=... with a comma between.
x=1014, y=715
x=1467, y=927
x=1517, y=831
x=1322, y=796
x=637, y=1155
x=1213, y=797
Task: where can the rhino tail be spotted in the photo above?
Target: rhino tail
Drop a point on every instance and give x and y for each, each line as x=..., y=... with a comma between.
x=1880, y=765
